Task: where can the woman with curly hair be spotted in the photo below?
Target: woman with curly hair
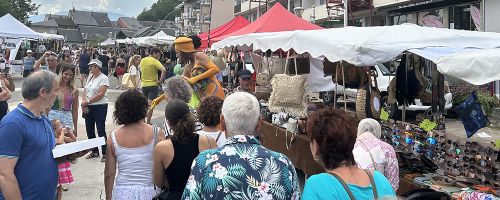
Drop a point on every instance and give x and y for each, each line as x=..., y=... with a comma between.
x=131, y=147
x=173, y=88
x=199, y=70
x=333, y=135
x=209, y=115
x=174, y=156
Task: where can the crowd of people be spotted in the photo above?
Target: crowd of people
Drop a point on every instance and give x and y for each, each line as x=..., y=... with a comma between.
x=208, y=147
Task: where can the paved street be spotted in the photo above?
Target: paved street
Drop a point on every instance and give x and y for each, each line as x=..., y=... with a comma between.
x=89, y=173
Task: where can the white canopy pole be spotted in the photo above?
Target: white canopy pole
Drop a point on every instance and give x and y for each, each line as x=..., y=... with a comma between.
x=346, y=12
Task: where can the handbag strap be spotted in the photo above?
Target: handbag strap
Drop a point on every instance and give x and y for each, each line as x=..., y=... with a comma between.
x=349, y=192
x=369, y=152
x=372, y=182
x=344, y=184
x=218, y=136
x=155, y=133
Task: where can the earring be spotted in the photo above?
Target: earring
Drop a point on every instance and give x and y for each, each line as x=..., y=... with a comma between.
x=315, y=157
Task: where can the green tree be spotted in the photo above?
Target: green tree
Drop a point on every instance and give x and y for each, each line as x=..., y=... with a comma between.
x=21, y=9
x=5, y=7
x=159, y=10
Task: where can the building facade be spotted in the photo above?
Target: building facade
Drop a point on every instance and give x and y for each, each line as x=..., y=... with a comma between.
x=199, y=16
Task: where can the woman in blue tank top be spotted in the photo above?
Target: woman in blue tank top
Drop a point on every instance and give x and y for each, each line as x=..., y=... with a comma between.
x=333, y=135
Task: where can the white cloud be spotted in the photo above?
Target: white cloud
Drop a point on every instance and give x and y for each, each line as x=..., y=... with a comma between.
x=125, y=7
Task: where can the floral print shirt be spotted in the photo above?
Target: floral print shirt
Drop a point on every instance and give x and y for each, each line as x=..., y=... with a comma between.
x=242, y=169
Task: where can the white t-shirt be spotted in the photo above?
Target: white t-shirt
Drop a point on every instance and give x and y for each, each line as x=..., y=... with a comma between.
x=93, y=85
x=222, y=139
x=135, y=71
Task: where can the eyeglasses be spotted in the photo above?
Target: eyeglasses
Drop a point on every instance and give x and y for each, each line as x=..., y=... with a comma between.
x=51, y=60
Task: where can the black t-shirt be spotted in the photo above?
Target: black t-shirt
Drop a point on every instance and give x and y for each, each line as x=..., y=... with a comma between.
x=104, y=59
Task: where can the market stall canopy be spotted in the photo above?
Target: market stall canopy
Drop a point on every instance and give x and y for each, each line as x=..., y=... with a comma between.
x=48, y=36
x=476, y=66
x=125, y=41
x=160, y=38
x=10, y=27
x=275, y=20
x=107, y=42
x=367, y=46
x=235, y=24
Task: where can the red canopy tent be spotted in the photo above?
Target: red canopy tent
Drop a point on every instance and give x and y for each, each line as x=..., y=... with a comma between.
x=227, y=28
x=275, y=20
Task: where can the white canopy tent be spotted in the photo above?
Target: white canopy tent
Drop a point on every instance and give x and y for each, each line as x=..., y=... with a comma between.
x=160, y=38
x=125, y=41
x=10, y=27
x=107, y=42
x=48, y=36
x=367, y=46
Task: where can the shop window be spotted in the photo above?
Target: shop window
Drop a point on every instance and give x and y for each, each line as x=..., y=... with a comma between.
x=467, y=17
x=401, y=19
x=431, y=18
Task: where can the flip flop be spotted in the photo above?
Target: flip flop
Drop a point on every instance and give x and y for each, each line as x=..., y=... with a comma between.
x=92, y=155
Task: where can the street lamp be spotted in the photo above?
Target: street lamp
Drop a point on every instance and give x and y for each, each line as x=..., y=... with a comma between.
x=298, y=11
x=176, y=8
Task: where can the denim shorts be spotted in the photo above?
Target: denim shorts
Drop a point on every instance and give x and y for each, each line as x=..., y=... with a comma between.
x=65, y=116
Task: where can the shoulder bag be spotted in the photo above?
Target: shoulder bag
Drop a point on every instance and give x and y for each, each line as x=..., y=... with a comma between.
x=349, y=192
x=163, y=195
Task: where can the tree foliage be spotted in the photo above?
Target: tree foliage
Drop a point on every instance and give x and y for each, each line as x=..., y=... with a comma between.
x=159, y=10
x=19, y=9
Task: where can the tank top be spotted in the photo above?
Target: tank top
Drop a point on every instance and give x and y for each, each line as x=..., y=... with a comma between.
x=180, y=168
x=66, y=103
x=135, y=165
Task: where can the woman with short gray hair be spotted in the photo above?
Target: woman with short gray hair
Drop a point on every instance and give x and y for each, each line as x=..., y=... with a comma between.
x=173, y=88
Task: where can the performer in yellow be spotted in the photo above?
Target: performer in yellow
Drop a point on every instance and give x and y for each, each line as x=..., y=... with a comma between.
x=199, y=70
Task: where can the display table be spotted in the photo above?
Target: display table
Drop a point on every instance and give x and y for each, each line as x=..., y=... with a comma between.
x=299, y=152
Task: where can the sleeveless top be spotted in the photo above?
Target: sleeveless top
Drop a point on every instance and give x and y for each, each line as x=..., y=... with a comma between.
x=180, y=168
x=64, y=104
x=135, y=165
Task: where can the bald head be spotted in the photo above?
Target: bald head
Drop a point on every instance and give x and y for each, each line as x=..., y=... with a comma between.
x=37, y=81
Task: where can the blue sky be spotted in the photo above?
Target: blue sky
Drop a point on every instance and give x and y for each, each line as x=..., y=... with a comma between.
x=126, y=7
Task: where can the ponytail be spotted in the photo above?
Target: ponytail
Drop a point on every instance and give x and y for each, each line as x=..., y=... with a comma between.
x=184, y=129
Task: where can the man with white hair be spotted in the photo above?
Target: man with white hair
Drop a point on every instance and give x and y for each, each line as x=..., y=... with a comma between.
x=242, y=168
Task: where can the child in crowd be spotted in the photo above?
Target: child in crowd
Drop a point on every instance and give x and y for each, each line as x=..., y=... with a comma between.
x=63, y=135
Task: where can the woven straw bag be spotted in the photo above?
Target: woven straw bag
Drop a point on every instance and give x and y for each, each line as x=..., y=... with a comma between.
x=289, y=94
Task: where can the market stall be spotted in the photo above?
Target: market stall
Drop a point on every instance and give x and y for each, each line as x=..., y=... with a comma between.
x=227, y=28
x=160, y=38
x=474, y=59
x=274, y=20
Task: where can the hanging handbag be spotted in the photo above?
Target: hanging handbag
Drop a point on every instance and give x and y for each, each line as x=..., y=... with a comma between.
x=368, y=104
x=289, y=94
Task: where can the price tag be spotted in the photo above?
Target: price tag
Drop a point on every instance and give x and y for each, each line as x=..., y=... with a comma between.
x=384, y=115
x=427, y=125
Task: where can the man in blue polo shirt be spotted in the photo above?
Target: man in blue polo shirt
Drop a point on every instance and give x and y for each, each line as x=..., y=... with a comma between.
x=28, y=169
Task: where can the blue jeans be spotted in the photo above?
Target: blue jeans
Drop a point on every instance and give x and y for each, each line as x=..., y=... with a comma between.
x=97, y=117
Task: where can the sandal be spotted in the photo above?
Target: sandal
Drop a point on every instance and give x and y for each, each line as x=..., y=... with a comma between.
x=92, y=155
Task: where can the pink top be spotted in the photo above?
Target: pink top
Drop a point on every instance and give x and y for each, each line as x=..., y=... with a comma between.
x=373, y=154
x=64, y=104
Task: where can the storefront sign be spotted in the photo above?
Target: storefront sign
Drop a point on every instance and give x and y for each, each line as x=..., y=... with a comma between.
x=413, y=3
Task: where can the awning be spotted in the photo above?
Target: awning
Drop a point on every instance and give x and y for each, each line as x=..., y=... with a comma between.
x=235, y=24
